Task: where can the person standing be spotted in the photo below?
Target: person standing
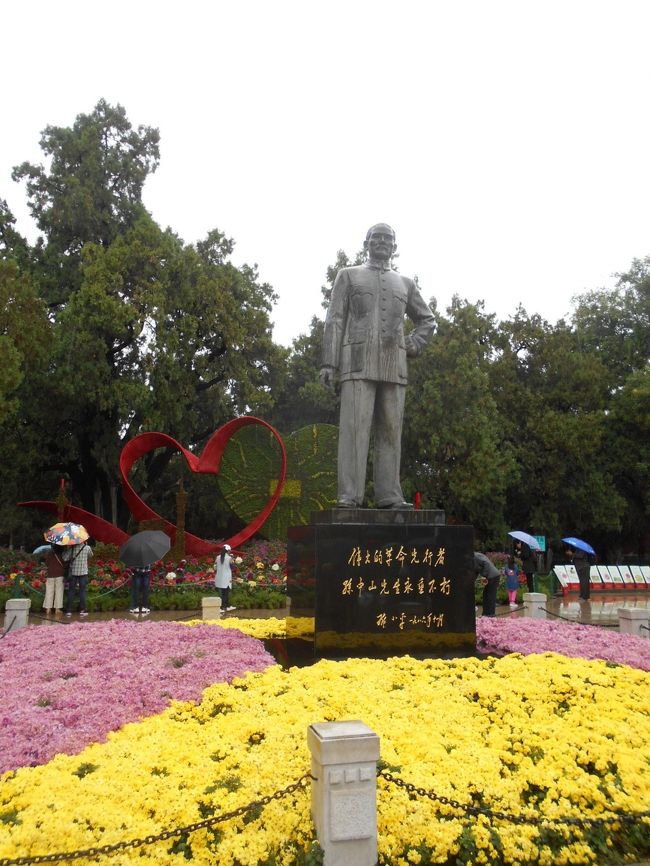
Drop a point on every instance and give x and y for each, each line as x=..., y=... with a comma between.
x=486, y=569
x=511, y=573
x=528, y=563
x=223, y=576
x=76, y=557
x=53, y=601
x=140, y=578
x=364, y=344
x=582, y=565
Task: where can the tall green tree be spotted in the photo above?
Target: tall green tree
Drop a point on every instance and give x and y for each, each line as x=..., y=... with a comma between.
x=24, y=339
x=615, y=323
x=453, y=448
x=91, y=190
x=302, y=400
x=627, y=441
x=147, y=332
x=552, y=395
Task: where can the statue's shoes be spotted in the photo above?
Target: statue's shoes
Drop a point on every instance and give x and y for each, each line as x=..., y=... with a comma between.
x=345, y=503
x=398, y=506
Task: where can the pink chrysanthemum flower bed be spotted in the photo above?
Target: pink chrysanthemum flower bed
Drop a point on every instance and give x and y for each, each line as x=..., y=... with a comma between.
x=66, y=687
x=526, y=635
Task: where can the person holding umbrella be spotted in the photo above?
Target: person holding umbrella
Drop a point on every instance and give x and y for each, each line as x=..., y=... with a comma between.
x=528, y=563
x=139, y=553
x=140, y=578
x=578, y=552
x=526, y=547
x=77, y=558
x=53, y=602
x=73, y=537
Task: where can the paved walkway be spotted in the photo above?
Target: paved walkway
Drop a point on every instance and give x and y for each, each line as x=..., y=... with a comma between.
x=601, y=610
x=36, y=616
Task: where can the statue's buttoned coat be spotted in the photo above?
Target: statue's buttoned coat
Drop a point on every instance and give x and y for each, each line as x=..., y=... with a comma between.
x=364, y=330
x=364, y=341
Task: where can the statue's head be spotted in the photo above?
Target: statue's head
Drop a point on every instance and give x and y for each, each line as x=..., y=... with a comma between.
x=380, y=242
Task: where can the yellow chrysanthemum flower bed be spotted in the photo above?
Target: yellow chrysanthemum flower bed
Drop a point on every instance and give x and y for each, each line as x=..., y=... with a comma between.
x=540, y=736
x=259, y=628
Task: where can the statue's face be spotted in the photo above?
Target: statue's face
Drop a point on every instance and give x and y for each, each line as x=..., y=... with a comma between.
x=381, y=243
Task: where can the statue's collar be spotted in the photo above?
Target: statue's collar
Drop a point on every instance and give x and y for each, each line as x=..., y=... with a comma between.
x=378, y=266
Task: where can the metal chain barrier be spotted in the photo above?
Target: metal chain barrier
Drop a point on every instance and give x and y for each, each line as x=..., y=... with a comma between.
x=579, y=622
x=34, y=615
x=512, y=610
x=474, y=811
x=111, y=590
x=158, y=837
x=32, y=588
x=5, y=633
x=101, y=595
x=191, y=615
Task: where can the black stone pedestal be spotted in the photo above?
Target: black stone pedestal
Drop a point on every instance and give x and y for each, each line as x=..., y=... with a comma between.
x=379, y=583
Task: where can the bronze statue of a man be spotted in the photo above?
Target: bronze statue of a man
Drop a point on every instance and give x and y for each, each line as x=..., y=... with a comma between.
x=364, y=343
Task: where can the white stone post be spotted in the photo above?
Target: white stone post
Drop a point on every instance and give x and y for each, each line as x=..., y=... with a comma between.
x=344, y=759
x=211, y=607
x=634, y=620
x=534, y=604
x=17, y=611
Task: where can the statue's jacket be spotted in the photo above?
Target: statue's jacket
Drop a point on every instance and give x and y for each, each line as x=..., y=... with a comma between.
x=364, y=329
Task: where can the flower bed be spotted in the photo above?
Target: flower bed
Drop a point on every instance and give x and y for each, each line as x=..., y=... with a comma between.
x=259, y=579
x=539, y=736
x=64, y=688
x=527, y=635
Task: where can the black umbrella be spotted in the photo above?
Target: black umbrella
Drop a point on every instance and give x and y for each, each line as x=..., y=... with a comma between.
x=143, y=548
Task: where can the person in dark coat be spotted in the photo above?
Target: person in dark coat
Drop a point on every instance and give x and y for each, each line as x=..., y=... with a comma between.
x=528, y=563
x=580, y=560
x=490, y=573
x=140, y=578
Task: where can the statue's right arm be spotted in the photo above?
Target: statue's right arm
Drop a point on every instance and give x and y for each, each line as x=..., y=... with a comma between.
x=335, y=323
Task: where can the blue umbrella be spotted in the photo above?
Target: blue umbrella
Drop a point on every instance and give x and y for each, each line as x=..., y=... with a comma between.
x=42, y=548
x=579, y=544
x=530, y=540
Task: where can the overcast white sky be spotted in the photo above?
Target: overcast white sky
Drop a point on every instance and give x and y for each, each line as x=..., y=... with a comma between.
x=506, y=141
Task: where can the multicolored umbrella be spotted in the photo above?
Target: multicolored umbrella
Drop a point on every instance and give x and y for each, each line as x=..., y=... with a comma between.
x=66, y=534
x=579, y=544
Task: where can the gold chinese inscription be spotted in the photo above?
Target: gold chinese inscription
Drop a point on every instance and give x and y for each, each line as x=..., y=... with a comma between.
x=412, y=574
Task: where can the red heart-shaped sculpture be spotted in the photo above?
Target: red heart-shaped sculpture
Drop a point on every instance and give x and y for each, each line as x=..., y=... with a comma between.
x=207, y=463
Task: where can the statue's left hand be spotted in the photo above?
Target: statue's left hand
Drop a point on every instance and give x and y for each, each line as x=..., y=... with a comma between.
x=411, y=347
x=326, y=376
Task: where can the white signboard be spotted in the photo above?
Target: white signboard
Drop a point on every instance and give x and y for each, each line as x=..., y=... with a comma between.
x=562, y=575
x=637, y=574
x=626, y=573
x=610, y=574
